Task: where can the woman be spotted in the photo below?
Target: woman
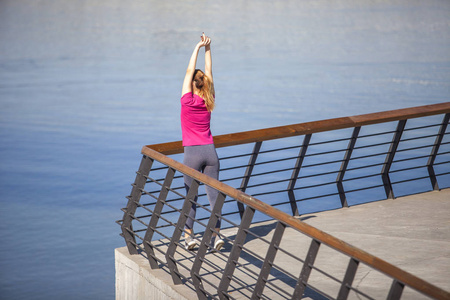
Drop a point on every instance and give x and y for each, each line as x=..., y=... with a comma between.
x=197, y=103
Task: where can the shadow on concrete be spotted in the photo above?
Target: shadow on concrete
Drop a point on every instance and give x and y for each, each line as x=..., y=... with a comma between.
x=260, y=231
x=257, y=231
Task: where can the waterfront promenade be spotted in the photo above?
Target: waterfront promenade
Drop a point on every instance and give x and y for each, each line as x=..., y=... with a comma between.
x=412, y=233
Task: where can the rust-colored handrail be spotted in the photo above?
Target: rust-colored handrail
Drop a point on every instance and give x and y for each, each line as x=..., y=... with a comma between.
x=339, y=245
x=244, y=137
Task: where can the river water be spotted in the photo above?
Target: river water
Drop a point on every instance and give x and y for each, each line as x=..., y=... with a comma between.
x=84, y=84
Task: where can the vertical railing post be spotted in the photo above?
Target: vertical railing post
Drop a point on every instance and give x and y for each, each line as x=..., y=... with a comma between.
x=390, y=158
x=155, y=217
x=133, y=199
x=248, y=174
x=434, y=151
x=306, y=270
x=268, y=261
x=203, y=248
x=295, y=172
x=235, y=252
x=184, y=214
x=344, y=165
x=348, y=279
x=396, y=290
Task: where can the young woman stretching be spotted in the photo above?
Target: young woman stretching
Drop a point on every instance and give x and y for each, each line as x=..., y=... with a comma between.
x=197, y=103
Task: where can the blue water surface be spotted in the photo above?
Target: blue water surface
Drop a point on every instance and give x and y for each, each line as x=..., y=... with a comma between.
x=85, y=84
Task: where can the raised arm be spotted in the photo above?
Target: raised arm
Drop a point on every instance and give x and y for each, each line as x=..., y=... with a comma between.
x=187, y=83
x=208, y=62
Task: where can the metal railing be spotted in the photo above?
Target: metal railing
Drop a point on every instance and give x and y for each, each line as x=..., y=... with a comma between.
x=335, y=163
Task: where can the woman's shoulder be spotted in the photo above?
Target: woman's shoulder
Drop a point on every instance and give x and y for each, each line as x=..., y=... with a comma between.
x=191, y=98
x=187, y=98
x=187, y=95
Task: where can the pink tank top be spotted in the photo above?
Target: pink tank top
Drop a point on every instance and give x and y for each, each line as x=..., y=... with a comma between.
x=195, y=121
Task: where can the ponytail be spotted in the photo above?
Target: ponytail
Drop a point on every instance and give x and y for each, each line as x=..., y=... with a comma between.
x=204, y=84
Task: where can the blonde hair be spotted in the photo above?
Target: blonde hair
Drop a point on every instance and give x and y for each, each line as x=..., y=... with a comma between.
x=206, y=91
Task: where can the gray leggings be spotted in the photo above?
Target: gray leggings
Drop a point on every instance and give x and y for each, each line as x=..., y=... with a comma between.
x=202, y=158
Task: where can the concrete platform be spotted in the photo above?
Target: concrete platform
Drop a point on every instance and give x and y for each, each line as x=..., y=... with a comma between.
x=412, y=233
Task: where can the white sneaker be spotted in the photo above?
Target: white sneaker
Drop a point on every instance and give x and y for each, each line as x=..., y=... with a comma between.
x=190, y=243
x=216, y=245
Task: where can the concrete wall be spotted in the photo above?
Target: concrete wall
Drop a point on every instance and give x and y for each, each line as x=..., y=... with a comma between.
x=135, y=280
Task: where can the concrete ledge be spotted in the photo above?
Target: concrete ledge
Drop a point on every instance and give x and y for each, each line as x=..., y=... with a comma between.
x=135, y=280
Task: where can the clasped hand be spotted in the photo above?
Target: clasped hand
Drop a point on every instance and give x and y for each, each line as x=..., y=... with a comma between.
x=205, y=41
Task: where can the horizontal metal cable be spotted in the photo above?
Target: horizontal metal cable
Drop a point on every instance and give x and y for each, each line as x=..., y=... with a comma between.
x=442, y=174
x=163, y=263
x=442, y=153
x=173, y=190
x=325, y=274
x=408, y=180
x=278, y=149
x=369, y=155
x=365, y=188
x=361, y=177
x=366, y=166
x=275, y=160
x=272, y=172
x=234, y=167
x=168, y=200
x=144, y=192
x=360, y=292
x=140, y=230
x=276, y=289
x=143, y=216
x=410, y=158
x=422, y=127
x=329, y=141
x=150, y=179
x=160, y=168
x=314, y=185
x=326, y=152
x=135, y=234
x=441, y=163
x=317, y=197
x=232, y=178
x=376, y=134
x=407, y=169
x=234, y=156
x=418, y=138
x=323, y=163
x=281, y=203
x=160, y=181
x=241, y=285
x=271, y=192
x=204, y=280
x=169, y=224
x=162, y=226
x=372, y=145
x=174, y=209
x=317, y=290
x=139, y=220
x=209, y=263
x=413, y=148
x=318, y=174
x=163, y=235
x=267, y=183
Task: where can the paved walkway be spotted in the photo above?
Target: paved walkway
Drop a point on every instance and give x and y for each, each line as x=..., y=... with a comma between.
x=412, y=233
